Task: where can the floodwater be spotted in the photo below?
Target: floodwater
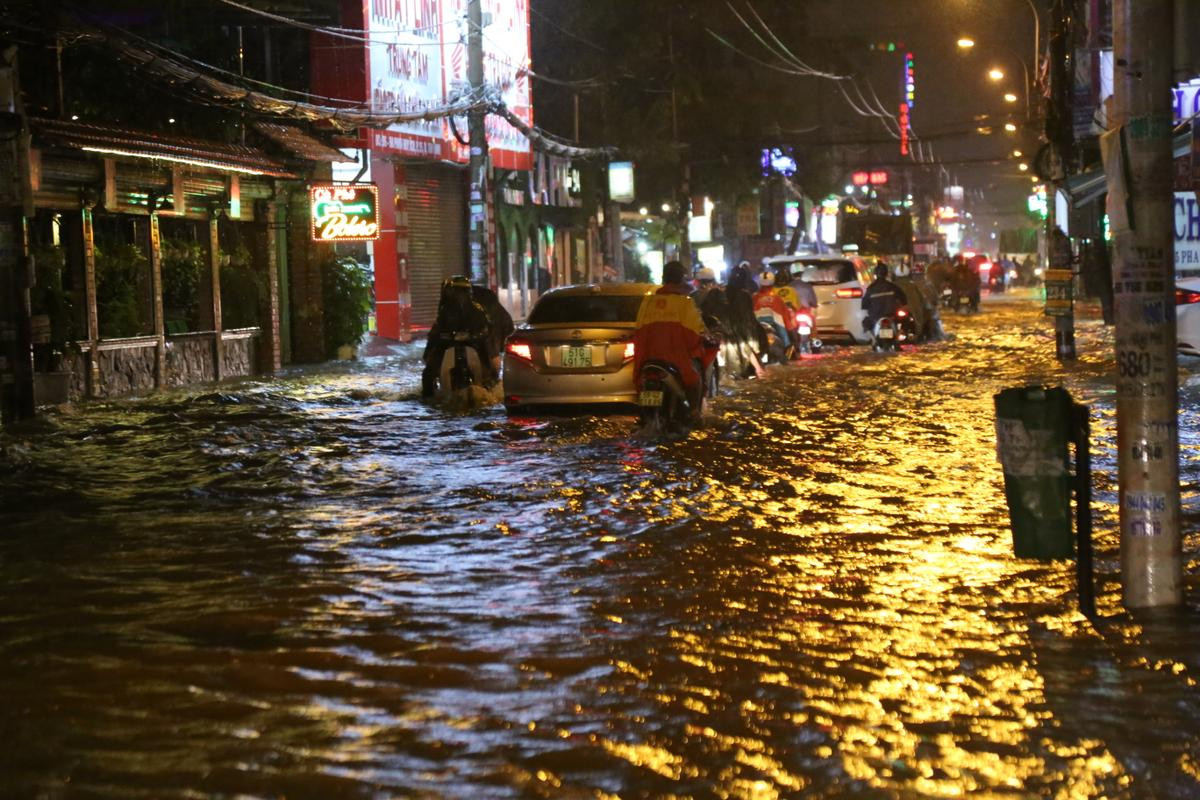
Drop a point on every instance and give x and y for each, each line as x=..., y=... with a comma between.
x=317, y=587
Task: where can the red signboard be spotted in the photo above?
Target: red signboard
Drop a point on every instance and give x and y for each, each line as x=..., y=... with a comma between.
x=903, y=129
x=414, y=59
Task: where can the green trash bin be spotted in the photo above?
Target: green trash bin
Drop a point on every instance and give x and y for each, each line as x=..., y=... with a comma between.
x=1033, y=428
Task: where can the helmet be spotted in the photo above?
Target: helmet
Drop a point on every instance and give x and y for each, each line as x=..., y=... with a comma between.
x=673, y=272
x=705, y=274
x=767, y=278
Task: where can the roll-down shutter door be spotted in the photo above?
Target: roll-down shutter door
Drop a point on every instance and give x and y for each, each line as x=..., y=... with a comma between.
x=437, y=210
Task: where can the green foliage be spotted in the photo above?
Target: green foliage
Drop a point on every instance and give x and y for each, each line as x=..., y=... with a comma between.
x=346, y=290
x=241, y=287
x=50, y=298
x=183, y=266
x=118, y=268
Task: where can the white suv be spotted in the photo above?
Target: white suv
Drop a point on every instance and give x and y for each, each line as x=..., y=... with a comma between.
x=839, y=282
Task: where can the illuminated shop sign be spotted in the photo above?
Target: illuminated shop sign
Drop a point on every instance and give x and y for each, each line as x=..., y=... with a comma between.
x=875, y=177
x=620, y=182
x=344, y=213
x=910, y=80
x=778, y=161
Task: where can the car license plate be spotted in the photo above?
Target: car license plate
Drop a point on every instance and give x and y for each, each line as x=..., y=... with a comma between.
x=885, y=333
x=650, y=398
x=576, y=357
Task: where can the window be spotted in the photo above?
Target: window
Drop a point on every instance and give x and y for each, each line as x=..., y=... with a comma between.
x=578, y=309
x=828, y=272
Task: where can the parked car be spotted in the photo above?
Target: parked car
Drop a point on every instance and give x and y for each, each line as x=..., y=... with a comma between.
x=1187, y=315
x=575, y=348
x=839, y=282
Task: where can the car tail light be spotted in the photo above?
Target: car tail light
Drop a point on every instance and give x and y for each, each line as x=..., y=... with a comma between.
x=1185, y=297
x=520, y=349
x=847, y=293
x=901, y=313
x=985, y=266
x=630, y=351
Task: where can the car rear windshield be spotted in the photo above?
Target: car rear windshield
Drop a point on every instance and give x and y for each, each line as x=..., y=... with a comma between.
x=828, y=272
x=577, y=309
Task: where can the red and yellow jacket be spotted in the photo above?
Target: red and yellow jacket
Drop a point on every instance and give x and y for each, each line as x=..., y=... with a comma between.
x=669, y=328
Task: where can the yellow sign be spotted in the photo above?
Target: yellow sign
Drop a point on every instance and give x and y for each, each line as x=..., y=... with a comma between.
x=1060, y=292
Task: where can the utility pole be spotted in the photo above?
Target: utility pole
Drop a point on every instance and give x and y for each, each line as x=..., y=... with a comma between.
x=477, y=131
x=1143, y=291
x=1060, y=133
x=16, y=279
x=684, y=209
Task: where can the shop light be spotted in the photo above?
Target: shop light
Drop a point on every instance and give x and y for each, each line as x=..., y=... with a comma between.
x=194, y=162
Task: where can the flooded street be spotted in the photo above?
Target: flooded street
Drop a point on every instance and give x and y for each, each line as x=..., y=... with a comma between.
x=318, y=587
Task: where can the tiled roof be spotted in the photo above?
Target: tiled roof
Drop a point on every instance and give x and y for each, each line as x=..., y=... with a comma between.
x=120, y=142
x=296, y=141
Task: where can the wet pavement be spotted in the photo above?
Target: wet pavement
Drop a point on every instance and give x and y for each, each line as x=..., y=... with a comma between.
x=317, y=587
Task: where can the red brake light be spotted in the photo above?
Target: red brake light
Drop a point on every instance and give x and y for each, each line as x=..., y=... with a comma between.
x=847, y=293
x=520, y=349
x=901, y=313
x=630, y=351
x=1185, y=297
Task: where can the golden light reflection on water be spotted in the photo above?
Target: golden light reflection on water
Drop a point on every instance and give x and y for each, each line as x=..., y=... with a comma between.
x=814, y=597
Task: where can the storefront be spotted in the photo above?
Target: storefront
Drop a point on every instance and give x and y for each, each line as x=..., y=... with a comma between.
x=161, y=258
x=412, y=61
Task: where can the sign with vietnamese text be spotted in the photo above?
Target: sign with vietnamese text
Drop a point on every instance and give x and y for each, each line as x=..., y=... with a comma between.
x=417, y=60
x=1060, y=292
x=344, y=213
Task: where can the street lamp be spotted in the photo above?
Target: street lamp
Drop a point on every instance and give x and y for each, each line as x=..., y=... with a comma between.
x=997, y=74
x=1010, y=127
x=1017, y=154
x=1009, y=97
x=1023, y=167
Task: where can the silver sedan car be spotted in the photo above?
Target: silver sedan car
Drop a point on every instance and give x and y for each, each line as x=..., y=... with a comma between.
x=575, y=349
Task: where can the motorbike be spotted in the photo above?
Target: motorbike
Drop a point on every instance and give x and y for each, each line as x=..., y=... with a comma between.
x=885, y=335
x=773, y=348
x=806, y=342
x=906, y=327
x=965, y=303
x=462, y=366
x=662, y=401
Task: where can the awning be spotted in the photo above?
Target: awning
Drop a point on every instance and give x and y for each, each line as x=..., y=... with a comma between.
x=121, y=143
x=1088, y=186
x=299, y=143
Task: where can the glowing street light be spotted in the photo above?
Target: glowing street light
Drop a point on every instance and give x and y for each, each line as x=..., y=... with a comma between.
x=1023, y=167
x=666, y=207
x=966, y=43
x=996, y=74
x=1017, y=153
x=1009, y=97
x=645, y=212
x=1010, y=127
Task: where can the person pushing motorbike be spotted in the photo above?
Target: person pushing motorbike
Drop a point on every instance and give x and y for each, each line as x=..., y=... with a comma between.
x=882, y=298
x=459, y=313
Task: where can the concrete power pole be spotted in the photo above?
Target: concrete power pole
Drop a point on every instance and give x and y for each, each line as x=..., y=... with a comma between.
x=16, y=348
x=477, y=131
x=1143, y=284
